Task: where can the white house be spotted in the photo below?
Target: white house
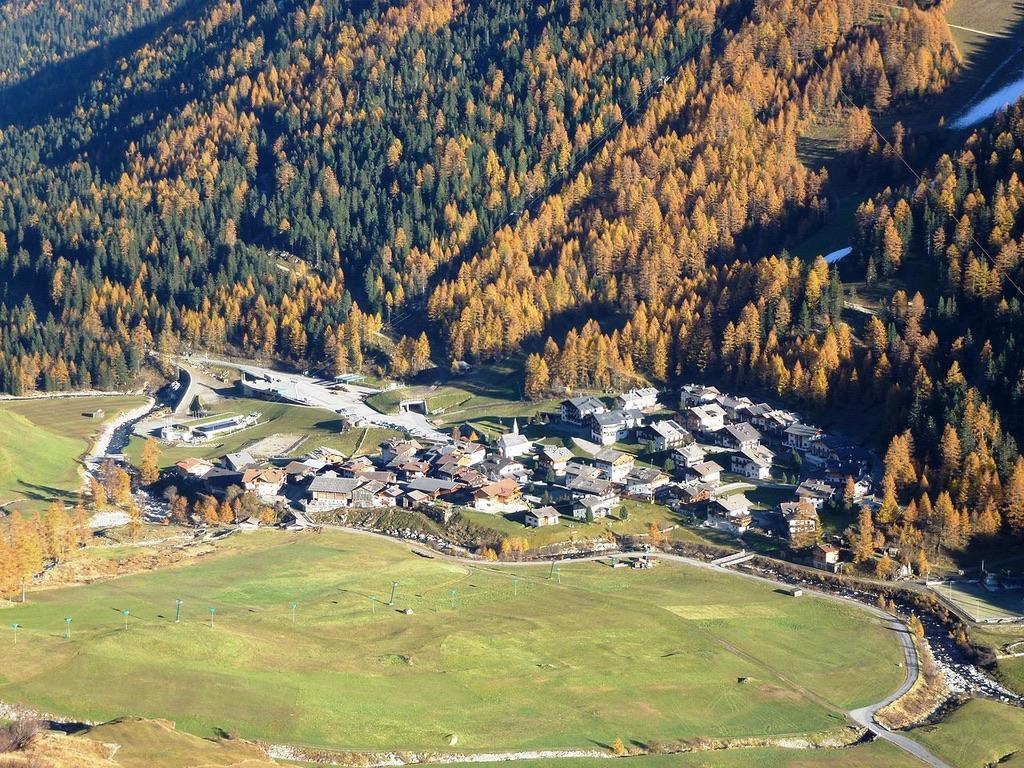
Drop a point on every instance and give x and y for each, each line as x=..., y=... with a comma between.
x=705, y=418
x=697, y=394
x=614, y=426
x=730, y=513
x=538, y=518
x=706, y=472
x=815, y=491
x=593, y=506
x=513, y=444
x=733, y=405
x=614, y=465
x=554, y=457
x=265, y=482
x=666, y=434
x=687, y=456
x=736, y=437
x=801, y=436
x=644, y=399
x=643, y=483
x=755, y=463
x=577, y=410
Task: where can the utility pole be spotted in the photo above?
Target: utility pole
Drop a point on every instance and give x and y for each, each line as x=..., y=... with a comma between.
x=394, y=586
x=177, y=610
x=67, y=627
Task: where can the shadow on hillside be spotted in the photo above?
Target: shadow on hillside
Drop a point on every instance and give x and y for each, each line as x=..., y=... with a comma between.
x=38, y=492
x=54, y=90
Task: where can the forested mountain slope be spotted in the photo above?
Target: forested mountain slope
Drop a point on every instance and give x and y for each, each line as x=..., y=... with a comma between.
x=372, y=141
x=377, y=143
x=36, y=34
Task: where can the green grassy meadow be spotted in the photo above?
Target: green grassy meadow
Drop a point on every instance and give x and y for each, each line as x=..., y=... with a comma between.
x=41, y=442
x=640, y=515
x=978, y=734
x=638, y=654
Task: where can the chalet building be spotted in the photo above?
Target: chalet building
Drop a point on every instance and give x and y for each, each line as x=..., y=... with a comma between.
x=403, y=450
x=503, y=496
x=614, y=426
x=578, y=410
x=300, y=471
x=613, y=465
x=236, y=462
x=375, y=494
x=589, y=485
x=355, y=466
x=497, y=468
x=688, y=455
x=825, y=557
x=704, y=418
x=541, y=517
x=755, y=463
x=433, y=487
x=554, y=457
x=737, y=437
x=192, y=468
x=643, y=483
x=706, y=472
x=800, y=437
x=733, y=405
x=265, y=482
x=730, y=513
x=645, y=399
x=799, y=519
x=328, y=491
x=595, y=507
x=816, y=492
x=694, y=492
x=666, y=434
x=697, y=394
x=768, y=420
x=409, y=469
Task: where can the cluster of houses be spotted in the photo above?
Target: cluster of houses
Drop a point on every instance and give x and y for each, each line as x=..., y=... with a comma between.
x=753, y=435
x=543, y=482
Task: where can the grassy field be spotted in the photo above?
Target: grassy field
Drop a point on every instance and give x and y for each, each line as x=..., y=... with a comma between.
x=1011, y=674
x=637, y=654
x=640, y=515
x=41, y=442
x=311, y=427
x=978, y=734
